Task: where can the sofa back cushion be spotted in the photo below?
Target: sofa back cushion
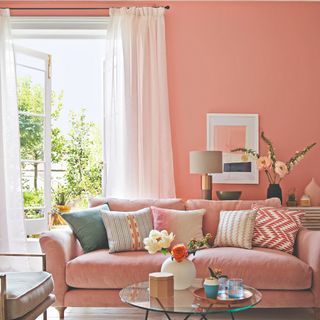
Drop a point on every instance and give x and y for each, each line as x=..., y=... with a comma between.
x=213, y=208
x=185, y=225
x=137, y=204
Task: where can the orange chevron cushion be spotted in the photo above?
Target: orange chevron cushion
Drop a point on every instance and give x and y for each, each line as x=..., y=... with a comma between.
x=276, y=228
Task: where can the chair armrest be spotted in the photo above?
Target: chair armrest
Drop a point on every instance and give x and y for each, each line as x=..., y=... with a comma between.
x=30, y=255
x=60, y=246
x=308, y=250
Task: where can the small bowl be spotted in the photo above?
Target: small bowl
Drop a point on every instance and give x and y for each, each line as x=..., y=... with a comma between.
x=228, y=195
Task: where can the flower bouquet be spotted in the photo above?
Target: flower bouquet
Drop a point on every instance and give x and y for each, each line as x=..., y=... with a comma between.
x=183, y=269
x=275, y=169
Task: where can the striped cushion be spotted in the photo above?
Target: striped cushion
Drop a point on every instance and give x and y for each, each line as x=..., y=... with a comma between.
x=126, y=230
x=236, y=229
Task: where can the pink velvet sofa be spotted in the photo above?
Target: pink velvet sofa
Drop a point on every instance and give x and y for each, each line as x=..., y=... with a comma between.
x=94, y=279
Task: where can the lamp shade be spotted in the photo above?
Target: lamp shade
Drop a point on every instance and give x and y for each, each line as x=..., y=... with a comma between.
x=205, y=161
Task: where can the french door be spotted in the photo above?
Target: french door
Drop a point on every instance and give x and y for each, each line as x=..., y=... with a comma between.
x=33, y=71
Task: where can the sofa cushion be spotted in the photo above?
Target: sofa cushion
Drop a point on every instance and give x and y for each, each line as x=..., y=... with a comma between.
x=185, y=225
x=260, y=267
x=276, y=228
x=236, y=229
x=103, y=270
x=126, y=230
x=213, y=208
x=137, y=204
x=88, y=227
x=25, y=291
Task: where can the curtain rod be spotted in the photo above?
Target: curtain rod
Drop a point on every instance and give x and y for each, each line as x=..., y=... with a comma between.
x=105, y=8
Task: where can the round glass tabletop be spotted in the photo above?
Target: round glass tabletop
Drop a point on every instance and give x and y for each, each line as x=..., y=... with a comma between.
x=183, y=302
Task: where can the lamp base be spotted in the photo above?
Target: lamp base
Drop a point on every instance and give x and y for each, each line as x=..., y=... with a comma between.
x=206, y=187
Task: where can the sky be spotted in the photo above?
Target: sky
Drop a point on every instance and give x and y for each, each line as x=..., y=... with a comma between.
x=77, y=71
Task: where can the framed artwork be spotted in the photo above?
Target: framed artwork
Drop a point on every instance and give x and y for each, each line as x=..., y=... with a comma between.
x=227, y=131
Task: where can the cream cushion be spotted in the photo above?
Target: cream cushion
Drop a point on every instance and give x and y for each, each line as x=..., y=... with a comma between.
x=25, y=291
x=235, y=229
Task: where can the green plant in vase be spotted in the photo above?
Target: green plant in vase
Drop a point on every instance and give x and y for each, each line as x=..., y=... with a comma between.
x=211, y=284
x=61, y=198
x=274, y=169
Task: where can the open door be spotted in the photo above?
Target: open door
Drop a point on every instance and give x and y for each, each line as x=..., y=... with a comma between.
x=33, y=70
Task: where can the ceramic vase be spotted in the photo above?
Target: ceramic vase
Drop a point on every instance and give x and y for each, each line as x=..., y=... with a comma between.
x=184, y=272
x=211, y=288
x=313, y=191
x=274, y=191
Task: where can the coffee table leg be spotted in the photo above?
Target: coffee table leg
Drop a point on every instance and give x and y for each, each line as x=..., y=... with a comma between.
x=147, y=314
x=166, y=313
x=232, y=316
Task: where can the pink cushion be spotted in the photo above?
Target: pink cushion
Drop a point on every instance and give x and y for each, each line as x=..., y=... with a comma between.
x=213, y=208
x=137, y=204
x=185, y=225
x=102, y=270
x=260, y=268
x=276, y=228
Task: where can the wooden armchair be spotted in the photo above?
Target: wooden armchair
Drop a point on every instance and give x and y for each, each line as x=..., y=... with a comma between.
x=25, y=295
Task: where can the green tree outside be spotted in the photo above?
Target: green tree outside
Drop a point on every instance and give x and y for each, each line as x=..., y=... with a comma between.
x=83, y=157
x=80, y=150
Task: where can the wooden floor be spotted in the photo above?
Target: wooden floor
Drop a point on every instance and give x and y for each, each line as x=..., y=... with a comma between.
x=136, y=314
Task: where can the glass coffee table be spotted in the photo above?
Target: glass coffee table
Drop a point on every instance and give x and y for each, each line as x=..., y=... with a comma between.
x=183, y=302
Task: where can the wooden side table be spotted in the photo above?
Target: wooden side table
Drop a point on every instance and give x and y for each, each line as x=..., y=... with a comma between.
x=312, y=218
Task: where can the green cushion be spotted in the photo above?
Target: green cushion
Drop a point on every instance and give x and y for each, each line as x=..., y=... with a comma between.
x=88, y=227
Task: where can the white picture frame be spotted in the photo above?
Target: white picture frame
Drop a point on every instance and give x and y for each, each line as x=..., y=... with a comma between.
x=226, y=131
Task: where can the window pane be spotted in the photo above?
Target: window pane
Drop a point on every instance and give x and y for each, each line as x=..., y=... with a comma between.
x=34, y=62
x=31, y=137
x=30, y=90
x=34, y=213
x=33, y=184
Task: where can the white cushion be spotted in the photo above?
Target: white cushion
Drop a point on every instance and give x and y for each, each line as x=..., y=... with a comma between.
x=235, y=229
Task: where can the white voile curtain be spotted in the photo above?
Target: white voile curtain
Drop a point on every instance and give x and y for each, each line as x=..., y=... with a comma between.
x=138, y=145
x=12, y=229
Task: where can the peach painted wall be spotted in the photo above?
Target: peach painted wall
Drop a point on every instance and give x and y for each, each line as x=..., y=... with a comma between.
x=238, y=57
x=245, y=57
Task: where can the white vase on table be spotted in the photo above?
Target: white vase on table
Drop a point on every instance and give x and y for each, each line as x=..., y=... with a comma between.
x=184, y=272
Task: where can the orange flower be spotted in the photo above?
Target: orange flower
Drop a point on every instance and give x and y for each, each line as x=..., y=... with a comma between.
x=179, y=252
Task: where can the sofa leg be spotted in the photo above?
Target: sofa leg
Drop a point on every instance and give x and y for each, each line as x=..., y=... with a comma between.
x=61, y=312
x=316, y=313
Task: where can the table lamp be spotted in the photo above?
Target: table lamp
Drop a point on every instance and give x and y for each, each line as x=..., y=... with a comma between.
x=205, y=162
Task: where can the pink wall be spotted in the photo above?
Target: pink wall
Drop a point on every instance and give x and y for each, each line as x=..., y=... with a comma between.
x=237, y=57
x=245, y=57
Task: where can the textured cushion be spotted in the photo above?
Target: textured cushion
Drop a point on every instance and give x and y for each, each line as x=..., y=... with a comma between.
x=25, y=291
x=213, y=208
x=126, y=230
x=88, y=228
x=38, y=311
x=137, y=204
x=235, y=229
x=276, y=228
x=261, y=268
x=185, y=225
x=102, y=270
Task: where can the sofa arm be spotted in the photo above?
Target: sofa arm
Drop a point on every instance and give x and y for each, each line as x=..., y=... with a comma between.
x=60, y=246
x=308, y=250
